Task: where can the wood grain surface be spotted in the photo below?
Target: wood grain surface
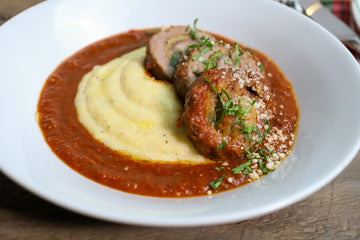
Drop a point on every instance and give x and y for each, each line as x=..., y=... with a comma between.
x=331, y=213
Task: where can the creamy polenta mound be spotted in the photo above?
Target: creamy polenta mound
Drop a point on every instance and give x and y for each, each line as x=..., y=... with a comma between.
x=130, y=112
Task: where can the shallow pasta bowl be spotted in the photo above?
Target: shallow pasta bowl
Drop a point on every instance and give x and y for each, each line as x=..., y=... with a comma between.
x=324, y=75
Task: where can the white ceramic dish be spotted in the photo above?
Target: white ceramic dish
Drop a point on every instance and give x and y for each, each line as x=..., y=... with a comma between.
x=325, y=77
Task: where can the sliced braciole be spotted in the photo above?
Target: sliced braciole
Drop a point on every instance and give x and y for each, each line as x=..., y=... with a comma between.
x=167, y=47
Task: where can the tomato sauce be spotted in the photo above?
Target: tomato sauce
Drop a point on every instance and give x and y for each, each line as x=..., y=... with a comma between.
x=73, y=144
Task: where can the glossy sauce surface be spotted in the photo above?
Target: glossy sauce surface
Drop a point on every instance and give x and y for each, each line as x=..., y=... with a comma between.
x=72, y=143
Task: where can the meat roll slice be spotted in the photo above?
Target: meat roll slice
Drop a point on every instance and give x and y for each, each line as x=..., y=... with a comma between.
x=166, y=48
x=227, y=112
x=220, y=55
x=196, y=62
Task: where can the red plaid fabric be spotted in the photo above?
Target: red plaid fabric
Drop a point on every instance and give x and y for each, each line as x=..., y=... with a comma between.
x=342, y=10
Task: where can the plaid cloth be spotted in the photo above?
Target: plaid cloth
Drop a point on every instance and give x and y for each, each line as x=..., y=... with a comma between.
x=342, y=10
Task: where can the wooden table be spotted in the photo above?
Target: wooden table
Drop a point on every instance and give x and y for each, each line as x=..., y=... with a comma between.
x=331, y=213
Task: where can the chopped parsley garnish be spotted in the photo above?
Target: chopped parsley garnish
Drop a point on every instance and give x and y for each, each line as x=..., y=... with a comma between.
x=261, y=66
x=174, y=61
x=221, y=145
x=262, y=155
x=219, y=168
x=221, y=56
x=175, y=58
x=243, y=112
x=214, y=53
x=221, y=42
x=202, y=52
x=261, y=137
x=244, y=168
x=265, y=153
x=263, y=167
x=204, y=41
x=228, y=108
x=238, y=52
x=153, y=31
x=196, y=72
x=215, y=184
x=248, y=130
x=193, y=30
x=209, y=64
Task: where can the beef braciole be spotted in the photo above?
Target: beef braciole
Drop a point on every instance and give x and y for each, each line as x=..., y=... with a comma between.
x=227, y=112
x=166, y=48
x=210, y=54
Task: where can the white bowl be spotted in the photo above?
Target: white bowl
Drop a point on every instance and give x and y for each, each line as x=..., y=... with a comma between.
x=325, y=77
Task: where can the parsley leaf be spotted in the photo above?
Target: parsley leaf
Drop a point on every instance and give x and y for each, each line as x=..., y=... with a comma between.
x=193, y=31
x=174, y=61
x=175, y=58
x=202, y=52
x=245, y=168
x=222, y=145
x=153, y=31
x=261, y=137
x=238, y=52
x=261, y=66
x=243, y=112
x=228, y=108
x=219, y=168
x=249, y=54
x=204, y=41
x=263, y=167
x=215, y=184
